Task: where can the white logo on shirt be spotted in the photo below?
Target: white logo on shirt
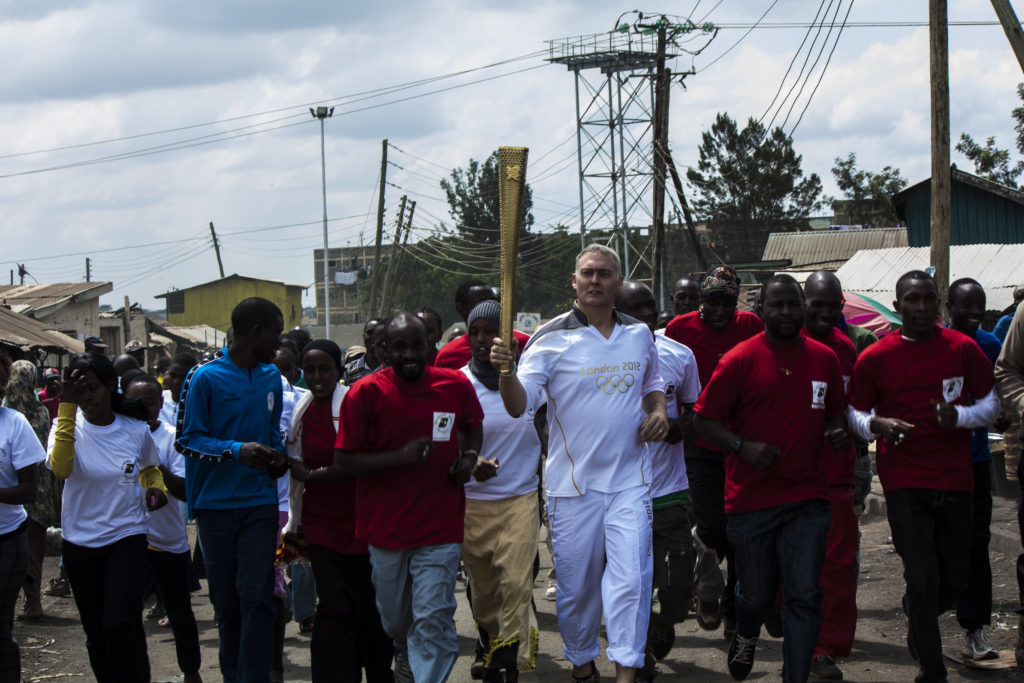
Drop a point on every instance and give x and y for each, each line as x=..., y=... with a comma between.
x=951, y=388
x=443, y=423
x=818, y=390
x=270, y=401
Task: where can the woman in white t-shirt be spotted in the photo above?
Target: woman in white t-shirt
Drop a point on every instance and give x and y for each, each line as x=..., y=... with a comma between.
x=502, y=516
x=20, y=452
x=102, y=447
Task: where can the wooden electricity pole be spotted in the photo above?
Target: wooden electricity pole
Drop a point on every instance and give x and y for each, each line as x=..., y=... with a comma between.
x=392, y=270
x=375, y=282
x=940, y=199
x=1011, y=26
x=660, y=134
x=216, y=249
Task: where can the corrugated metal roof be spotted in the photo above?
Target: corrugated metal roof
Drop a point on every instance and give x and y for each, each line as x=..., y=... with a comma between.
x=234, y=276
x=829, y=249
x=26, y=333
x=29, y=299
x=998, y=267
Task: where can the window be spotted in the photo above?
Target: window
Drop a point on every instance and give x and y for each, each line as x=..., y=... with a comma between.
x=175, y=302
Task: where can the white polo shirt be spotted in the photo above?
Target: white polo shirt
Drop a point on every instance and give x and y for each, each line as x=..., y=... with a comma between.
x=19, y=448
x=512, y=440
x=682, y=385
x=101, y=501
x=594, y=388
x=166, y=526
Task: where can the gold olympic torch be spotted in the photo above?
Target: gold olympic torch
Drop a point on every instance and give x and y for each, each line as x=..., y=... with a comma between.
x=511, y=189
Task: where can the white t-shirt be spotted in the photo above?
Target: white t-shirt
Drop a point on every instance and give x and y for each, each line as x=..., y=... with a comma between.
x=101, y=502
x=290, y=396
x=169, y=411
x=19, y=448
x=513, y=441
x=166, y=527
x=682, y=385
x=594, y=388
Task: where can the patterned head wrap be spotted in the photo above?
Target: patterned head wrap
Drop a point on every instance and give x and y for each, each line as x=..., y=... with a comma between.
x=720, y=282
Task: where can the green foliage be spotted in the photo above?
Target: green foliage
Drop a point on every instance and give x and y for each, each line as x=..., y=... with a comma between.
x=750, y=183
x=867, y=196
x=994, y=162
x=472, y=194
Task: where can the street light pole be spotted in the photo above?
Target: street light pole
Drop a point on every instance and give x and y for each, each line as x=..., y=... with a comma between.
x=323, y=113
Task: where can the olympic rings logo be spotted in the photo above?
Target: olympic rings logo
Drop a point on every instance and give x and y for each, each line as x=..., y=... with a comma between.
x=611, y=384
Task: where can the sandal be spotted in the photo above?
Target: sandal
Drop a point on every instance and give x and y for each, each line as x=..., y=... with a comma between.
x=592, y=677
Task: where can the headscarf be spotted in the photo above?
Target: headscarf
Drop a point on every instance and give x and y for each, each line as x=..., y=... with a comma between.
x=720, y=282
x=328, y=347
x=483, y=370
x=21, y=396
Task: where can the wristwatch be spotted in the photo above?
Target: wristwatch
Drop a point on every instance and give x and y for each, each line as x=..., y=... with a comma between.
x=736, y=445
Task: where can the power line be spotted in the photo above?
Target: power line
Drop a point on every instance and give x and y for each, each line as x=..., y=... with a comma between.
x=823, y=70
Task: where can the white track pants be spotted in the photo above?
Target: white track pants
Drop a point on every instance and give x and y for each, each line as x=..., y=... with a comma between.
x=602, y=549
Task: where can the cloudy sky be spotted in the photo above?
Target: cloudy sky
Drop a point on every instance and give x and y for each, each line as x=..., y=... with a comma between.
x=126, y=127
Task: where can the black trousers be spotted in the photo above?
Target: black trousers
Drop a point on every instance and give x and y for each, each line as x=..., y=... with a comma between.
x=974, y=607
x=107, y=585
x=932, y=533
x=347, y=632
x=173, y=572
x=705, y=470
x=13, y=566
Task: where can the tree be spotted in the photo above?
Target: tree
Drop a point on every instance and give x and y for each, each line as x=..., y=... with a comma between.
x=472, y=195
x=867, y=196
x=994, y=162
x=749, y=183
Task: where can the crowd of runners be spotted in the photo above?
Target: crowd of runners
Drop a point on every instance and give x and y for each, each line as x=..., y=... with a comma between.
x=709, y=464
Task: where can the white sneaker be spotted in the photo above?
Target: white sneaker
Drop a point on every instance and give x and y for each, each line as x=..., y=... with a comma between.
x=551, y=592
x=976, y=645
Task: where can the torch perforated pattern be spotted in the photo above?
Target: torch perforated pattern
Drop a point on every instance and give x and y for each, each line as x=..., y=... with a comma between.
x=511, y=186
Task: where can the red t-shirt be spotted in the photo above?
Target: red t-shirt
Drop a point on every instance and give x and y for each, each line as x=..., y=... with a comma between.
x=900, y=378
x=839, y=467
x=412, y=505
x=456, y=353
x=708, y=344
x=779, y=395
x=328, y=508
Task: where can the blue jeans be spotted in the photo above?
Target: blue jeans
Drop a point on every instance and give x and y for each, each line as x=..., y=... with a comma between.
x=788, y=542
x=931, y=531
x=416, y=600
x=238, y=547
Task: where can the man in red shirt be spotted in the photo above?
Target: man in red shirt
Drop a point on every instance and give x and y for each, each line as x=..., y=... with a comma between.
x=49, y=396
x=912, y=389
x=824, y=295
x=412, y=435
x=456, y=353
x=771, y=405
x=709, y=333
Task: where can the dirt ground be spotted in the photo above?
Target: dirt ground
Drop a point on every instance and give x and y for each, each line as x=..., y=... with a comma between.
x=54, y=649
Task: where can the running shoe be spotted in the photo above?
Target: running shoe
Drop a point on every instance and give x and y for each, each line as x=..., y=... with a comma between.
x=977, y=646
x=709, y=614
x=552, y=591
x=58, y=588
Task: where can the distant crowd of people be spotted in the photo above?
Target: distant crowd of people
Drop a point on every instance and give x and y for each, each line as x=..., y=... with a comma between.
x=654, y=447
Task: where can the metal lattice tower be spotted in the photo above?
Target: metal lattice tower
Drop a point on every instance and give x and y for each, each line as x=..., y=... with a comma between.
x=614, y=124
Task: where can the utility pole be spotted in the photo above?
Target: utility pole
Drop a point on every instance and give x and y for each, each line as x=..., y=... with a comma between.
x=392, y=271
x=126, y=321
x=405, y=240
x=88, y=270
x=375, y=284
x=661, y=94
x=1011, y=26
x=691, y=229
x=940, y=200
x=324, y=113
x=216, y=250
